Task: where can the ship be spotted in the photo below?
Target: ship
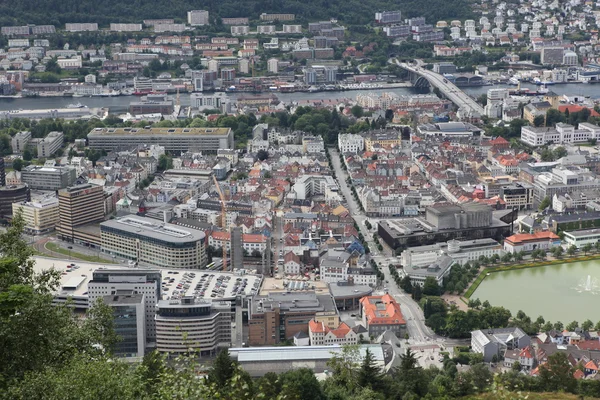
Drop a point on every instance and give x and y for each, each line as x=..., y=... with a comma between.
x=77, y=105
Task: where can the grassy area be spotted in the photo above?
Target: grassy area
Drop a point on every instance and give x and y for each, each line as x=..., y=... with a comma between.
x=74, y=255
x=536, y=264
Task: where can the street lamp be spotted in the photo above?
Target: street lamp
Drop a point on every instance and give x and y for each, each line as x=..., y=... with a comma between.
x=70, y=248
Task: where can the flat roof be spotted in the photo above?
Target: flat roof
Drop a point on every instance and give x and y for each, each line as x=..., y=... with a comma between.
x=74, y=280
x=160, y=131
x=582, y=233
x=153, y=228
x=291, y=353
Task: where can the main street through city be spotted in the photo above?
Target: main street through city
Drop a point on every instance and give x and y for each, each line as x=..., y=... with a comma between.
x=418, y=332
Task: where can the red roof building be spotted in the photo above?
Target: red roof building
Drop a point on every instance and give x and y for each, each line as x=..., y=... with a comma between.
x=382, y=313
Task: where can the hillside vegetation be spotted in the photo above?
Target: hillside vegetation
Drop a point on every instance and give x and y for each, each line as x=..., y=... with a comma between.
x=103, y=12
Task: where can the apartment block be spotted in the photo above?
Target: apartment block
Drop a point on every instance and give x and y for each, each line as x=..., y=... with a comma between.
x=78, y=206
x=48, y=178
x=388, y=17
x=115, y=27
x=198, y=17
x=40, y=216
x=235, y=21
x=50, y=144
x=81, y=27
x=277, y=17
x=20, y=141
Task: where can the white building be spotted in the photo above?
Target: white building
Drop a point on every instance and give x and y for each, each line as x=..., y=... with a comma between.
x=338, y=265
x=40, y=216
x=321, y=335
x=494, y=342
x=582, y=238
x=50, y=144
x=209, y=101
x=19, y=141
x=561, y=134
x=528, y=242
x=460, y=251
x=292, y=264
x=350, y=143
x=314, y=185
x=198, y=17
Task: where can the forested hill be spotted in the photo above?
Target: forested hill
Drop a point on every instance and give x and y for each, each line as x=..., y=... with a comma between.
x=351, y=12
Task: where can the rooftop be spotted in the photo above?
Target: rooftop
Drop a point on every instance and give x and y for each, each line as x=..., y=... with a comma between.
x=155, y=229
x=160, y=131
x=382, y=310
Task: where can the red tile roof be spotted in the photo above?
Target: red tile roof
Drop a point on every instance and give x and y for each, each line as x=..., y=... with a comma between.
x=382, y=310
x=576, y=108
x=531, y=237
x=578, y=374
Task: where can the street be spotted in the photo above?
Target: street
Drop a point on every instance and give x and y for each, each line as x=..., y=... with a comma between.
x=418, y=332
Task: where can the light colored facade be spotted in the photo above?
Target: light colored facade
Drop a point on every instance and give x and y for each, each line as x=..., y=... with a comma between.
x=173, y=139
x=313, y=185
x=48, y=178
x=192, y=324
x=40, y=216
x=81, y=27
x=496, y=341
x=350, y=143
x=321, y=335
x=582, y=238
x=50, y=144
x=561, y=134
x=115, y=27
x=151, y=242
x=519, y=195
x=380, y=314
x=198, y=17
x=19, y=141
x=211, y=101
x=528, y=242
x=460, y=251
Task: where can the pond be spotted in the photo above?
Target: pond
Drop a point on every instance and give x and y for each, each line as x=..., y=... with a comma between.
x=561, y=292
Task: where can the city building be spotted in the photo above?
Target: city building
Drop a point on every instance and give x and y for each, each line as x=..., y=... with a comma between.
x=81, y=27
x=380, y=314
x=47, y=146
x=561, y=134
x=321, y=335
x=582, y=238
x=277, y=17
x=340, y=265
x=116, y=27
x=350, y=143
x=528, y=242
x=129, y=323
x=494, y=342
x=192, y=324
x=80, y=206
x=209, y=101
x=152, y=242
x=20, y=141
x=48, y=178
x=198, y=17
x=172, y=139
x=112, y=281
x=459, y=251
x=277, y=317
x=388, y=17
x=40, y=216
x=12, y=194
x=313, y=185
x=2, y=172
x=518, y=195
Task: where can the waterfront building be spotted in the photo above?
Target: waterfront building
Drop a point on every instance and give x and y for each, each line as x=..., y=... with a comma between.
x=582, y=238
x=494, y=342
x=528, y=242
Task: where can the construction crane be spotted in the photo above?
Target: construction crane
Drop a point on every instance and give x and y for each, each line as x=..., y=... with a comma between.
x=223, y=221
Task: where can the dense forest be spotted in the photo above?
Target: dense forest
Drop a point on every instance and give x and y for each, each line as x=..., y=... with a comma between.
x=58, y=12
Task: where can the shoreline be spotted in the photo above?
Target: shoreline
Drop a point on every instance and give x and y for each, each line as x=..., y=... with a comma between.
x=484, y=273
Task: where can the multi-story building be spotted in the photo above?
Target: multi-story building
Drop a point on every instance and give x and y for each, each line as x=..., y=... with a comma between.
x=112, y=281
x=380, y=314
x=115, y=27
x=277, y=317
x=350, y=143
x=12, y=194
x=169, y=28
x=397, y=30
x=129, y=323
x=212, y=101
x=151, y=242
x=460, y=251
x=194, y=324
x=388, y=17
x=240, y=30
x=198, y=17
x=79, y=205
x=152, y=22
x=518, y=195
x=48, y=178
x=561, y=134
x=383, y=139
x=235, y=21
x=81, y=27
x=311, y=185
x=39, y=216
x=50, y=144
x=339, y=265
x=321, y=335
x=582, y=238
x=173, y=139
x=494, y=342
x=277, y=17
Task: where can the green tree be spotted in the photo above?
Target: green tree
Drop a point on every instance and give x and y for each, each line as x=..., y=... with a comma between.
x=539, y=121
x=476, y=303
x=557, y=374
x=587, y=325
x=571, y=250
x=222, y=369
x=369, y=374
x=430, y=287
x=572, y=326
x=545, y=203
x=357, y=111
x=301, y=384
x=560, y=152
x=586, y=248
x=17, y=164
x=165, y=162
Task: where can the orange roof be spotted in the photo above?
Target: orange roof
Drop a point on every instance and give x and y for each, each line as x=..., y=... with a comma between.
x=525, y=353
x=253, y=238
x=576, y=108
x=578, y=374
x=591, y=365
x=499, y=141
x=341, y=330
x=382, y=310
x=317, y=327
x=220, y=236
x=520, y=238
